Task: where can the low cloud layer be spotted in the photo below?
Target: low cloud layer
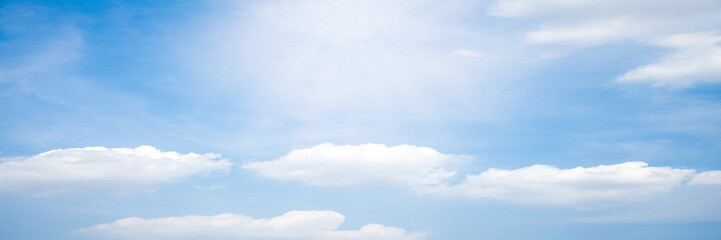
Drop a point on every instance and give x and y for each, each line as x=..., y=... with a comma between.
x=102, y=168
x=423, y=169
x=340, y=165
x=707, y=178
x=543, y=184
x=296, y=225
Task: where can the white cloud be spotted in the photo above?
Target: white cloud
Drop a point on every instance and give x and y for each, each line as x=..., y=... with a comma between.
x=305, y=225
x=656, y=23
x=543, y=184
x=424, y=170
x=102, y=168
x=697, y=58
x=706, y=178
x=597, y=22
x=340, y=165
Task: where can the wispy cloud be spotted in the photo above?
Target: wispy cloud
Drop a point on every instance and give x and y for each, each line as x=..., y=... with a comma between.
x=47, y=66
x=696, y=59
x=679, y=25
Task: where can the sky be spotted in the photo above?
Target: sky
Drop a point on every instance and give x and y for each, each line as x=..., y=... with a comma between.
x=360, y=119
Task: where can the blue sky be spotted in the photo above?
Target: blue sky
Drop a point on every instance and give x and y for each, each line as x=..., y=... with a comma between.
x=365, y=120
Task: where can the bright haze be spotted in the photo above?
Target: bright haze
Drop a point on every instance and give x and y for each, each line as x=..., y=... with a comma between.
x=360, y=119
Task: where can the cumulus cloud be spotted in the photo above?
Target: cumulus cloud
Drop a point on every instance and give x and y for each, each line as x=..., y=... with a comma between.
x=543, y=184
x=706, y=178
x=680, y=25
x=102, y=168
x=424, y=170
x=305, y=225
x=339, y=165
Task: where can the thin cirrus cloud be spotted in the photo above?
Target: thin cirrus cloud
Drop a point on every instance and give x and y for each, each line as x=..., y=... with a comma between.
x=689, y=28
x=102, y=168
x=293, y=225
x=341, y=165
x=45, y=67
x=423, y=169
x=697, y=58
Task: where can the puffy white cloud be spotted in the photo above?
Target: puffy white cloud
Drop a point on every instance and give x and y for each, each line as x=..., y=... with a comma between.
x=306, y=225
x=424, y=170
x=102, y=168
x=339, y=165
x=666, y=23
x=543, y=184
x=708, y=177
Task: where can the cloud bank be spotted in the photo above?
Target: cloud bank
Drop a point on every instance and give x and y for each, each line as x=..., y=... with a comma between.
x=102, y=168
x=423, y=170
x=342, y=165
x=305, y=225
x=543, y=184
x=707, y=178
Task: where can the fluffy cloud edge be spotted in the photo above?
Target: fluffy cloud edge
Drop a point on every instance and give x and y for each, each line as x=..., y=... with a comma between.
x=103, y=168
x=589, y=186
x=342, y=165
x=707, y=178
x=306, y=225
